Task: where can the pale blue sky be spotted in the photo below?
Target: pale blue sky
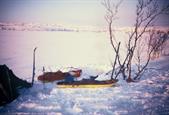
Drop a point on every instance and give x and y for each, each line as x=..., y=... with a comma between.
x=74, y=12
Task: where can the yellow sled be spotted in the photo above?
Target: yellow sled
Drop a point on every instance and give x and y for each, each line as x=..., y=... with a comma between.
x=87, y=84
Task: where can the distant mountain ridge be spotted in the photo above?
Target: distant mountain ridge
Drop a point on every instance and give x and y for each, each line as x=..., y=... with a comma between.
x=33, y=27
x=67, y=28
x=45, y=27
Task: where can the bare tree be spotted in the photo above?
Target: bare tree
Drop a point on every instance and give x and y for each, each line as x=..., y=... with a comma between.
x=155, y=45
x=111, y=15
x=147, y=11
x=159, y=38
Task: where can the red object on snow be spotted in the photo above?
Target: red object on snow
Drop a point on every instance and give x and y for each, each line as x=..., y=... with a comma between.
x=59, y=75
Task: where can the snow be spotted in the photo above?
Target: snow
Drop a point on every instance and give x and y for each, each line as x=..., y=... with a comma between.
x=148, y=96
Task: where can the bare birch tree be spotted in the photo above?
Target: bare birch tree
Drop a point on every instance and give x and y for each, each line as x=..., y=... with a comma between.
x=111, y=15
x=147, y=11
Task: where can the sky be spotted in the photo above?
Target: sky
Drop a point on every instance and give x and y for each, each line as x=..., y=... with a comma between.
x=68, y=12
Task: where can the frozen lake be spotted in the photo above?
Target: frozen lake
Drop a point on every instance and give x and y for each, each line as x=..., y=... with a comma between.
x=55, y=50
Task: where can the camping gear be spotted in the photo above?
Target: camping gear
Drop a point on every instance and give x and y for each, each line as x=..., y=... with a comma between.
x=86, y=83
x=59, y=75
x=69, y=78
x=9, y=85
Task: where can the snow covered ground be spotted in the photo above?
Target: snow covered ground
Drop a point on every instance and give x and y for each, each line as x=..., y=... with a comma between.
x=149, y=96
